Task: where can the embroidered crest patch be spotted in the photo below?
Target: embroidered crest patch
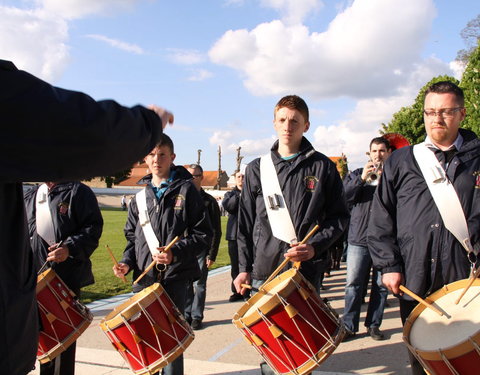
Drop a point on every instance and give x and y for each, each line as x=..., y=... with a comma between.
x=63, y=208
x=179, y=202
x=476, y=174
x=310, y=183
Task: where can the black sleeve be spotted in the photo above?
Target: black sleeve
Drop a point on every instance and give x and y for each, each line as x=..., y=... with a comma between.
x=214, y=214
x=353, y=184
x=52, y=134
x=231, y=201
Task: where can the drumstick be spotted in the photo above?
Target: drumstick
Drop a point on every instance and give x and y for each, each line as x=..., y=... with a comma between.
x=284, y=263
x=419, y=299
x=470, y=282
x=174, y=241
x=115, y=261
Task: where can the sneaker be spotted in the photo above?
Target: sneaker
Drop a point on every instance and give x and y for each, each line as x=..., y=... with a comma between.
x=196, y=324
x=375, y=333
x=235, y=297
x=188, y=319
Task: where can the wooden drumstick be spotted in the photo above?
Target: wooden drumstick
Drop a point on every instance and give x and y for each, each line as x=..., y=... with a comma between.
x=284, y=263
x=246, y=286
x=151, y=265
x=419, y=299
x=115, y=261
x=470, y=283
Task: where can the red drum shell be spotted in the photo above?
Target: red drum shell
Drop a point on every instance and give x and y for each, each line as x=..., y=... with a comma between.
x=289, y=324
x=148, y=330
x=63, y=318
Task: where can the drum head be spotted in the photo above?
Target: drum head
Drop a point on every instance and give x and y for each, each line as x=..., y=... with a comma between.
x=431, y=332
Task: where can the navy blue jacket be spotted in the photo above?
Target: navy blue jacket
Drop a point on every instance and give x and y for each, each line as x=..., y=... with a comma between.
x=49, y=134
x=179, y=212
x=77, y=222
x=313, y=192
x=406, y=233
x=213, y=212
x=231, y=202
x=359, y=198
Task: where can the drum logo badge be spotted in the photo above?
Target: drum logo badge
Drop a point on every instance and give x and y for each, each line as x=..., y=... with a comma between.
x=310, y=183
x=179, y=202
x=476, y=174
x=63, y=208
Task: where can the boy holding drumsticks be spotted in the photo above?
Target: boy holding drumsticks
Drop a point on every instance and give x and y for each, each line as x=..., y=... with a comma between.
x=174, y=208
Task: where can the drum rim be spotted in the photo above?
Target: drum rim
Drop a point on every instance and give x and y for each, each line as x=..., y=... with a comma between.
x=132, y=306
x=239, y=318
x=452, y=351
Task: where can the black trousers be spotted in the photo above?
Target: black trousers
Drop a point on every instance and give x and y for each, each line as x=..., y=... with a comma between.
x=233, y=253
x=406, y=307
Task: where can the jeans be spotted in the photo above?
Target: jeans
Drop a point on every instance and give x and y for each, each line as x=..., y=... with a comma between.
x=359, y=264
x=197, y=292
x=177, y=291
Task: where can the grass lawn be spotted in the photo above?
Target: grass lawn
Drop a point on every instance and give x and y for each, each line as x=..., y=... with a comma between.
x=106, y=284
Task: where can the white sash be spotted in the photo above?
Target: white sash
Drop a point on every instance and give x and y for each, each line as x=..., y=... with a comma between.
x=43, y=216
x=277, y=210
x=144, y=219
x=444, y=194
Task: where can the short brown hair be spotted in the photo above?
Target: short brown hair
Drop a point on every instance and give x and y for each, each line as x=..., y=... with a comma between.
x=165, y=140
x=447, y=87
x=293, y=102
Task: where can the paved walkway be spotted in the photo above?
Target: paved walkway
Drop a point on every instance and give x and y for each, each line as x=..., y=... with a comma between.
x=219, y=348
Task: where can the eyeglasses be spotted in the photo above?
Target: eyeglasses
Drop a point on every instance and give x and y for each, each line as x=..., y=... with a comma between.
x=196, y=175
x=444, y=113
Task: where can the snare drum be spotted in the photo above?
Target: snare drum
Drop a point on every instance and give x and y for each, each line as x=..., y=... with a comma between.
x=448, y=344
x=63, y=317
x=148, y=330
x=289, y=325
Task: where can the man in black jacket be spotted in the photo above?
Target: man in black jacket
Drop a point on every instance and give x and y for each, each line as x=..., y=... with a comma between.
x=48, y=133
x=408, y=240
x=359, y=193
x=197, y=291
x=175, y=208
x=230, y=203
x=313, y=193
x=77, y=223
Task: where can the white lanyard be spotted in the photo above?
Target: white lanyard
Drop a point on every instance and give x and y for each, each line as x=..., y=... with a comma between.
x=144, y=220
x=43, y=216
x=277, y=210
x=444, y=194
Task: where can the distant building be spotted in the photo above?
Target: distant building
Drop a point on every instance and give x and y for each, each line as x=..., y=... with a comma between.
x=209, y=180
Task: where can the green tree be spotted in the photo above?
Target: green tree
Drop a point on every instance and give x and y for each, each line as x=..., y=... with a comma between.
x=471, y=87
x=408, y=121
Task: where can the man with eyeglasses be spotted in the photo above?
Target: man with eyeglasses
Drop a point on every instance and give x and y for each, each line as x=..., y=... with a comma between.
x=408, y=239
x=197, y=291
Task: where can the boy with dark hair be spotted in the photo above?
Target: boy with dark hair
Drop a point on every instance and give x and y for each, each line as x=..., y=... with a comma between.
x=174, y=208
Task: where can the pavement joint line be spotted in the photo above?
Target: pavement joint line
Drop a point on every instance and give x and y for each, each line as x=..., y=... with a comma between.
x=225, y=350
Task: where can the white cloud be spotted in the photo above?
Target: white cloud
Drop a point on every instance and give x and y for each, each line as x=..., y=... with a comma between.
x=293, y=11
x=198, y=75
x=367, y=50
x=115, y=43
x=227, y=139
x=71, y=9
x=185, y=56
x=34, y=41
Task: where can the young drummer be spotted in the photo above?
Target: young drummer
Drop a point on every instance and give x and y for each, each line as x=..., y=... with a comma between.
x=175, y=208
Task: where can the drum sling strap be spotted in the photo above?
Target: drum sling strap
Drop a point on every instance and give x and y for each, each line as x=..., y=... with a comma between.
x=144, y=220
x=277, y=210
x=444, y=195
x=43, y=216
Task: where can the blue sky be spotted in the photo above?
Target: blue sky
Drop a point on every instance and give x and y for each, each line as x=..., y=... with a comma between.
x=221, y=65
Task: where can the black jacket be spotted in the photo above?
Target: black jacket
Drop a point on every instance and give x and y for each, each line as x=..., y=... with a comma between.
x=230, y=202
x=359, y=198
x=180, y=212
x=213, y=211
x=406, y=233
x=50, y=134
x=77, y=221
x=313, y=192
